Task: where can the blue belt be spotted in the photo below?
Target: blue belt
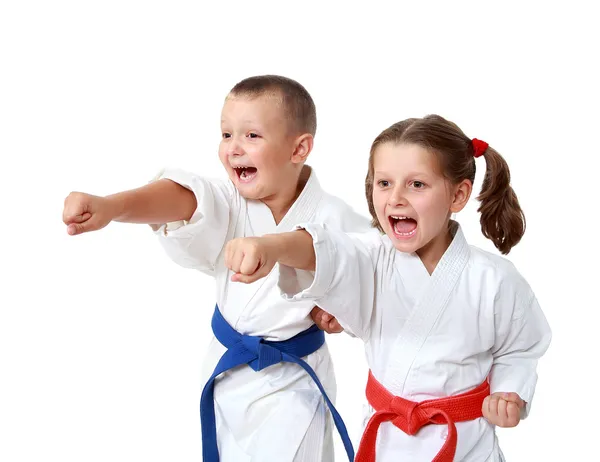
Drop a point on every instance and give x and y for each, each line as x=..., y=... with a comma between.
x=259, y=354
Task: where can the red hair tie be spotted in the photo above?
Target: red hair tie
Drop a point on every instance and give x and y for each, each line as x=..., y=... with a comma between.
x=479, y=147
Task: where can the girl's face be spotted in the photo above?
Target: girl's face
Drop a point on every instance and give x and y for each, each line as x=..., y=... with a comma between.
x=412, y=199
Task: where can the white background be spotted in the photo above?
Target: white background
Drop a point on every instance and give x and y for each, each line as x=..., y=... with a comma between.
x=102, y=337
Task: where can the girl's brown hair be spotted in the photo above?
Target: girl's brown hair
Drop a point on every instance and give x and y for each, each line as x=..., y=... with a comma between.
x=502, y=220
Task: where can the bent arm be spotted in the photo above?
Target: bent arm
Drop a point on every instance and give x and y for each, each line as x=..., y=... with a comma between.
x=520, y=343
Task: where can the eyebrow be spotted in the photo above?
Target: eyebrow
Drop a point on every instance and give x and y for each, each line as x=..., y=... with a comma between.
x=247, y=122
x=410, y=174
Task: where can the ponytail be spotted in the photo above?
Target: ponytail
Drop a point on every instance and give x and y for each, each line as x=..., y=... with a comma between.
x=502, y=220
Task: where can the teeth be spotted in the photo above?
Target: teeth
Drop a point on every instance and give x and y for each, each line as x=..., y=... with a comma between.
x=399, y=218
x=408, y=234
x=244, y=173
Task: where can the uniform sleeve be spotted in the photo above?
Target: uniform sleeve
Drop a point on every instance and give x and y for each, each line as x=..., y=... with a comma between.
x=198, y=242
x=522, y=337
x=344, y=280
x=353, y=222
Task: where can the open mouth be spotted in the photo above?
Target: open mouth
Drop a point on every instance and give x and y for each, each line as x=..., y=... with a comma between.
x=403, y=227
x=245, y=174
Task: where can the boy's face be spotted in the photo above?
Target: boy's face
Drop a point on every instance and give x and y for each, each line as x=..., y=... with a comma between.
x=256, y=146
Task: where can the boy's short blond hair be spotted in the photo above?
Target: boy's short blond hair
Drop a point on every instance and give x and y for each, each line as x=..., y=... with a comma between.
x=296, y=101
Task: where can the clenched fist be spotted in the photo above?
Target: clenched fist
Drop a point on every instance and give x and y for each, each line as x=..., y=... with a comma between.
x=325, y=321
x=503, y=409
x=250, y=258
x=85, y=212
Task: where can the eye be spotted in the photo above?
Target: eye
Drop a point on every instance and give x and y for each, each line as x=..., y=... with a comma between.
x=226, y=135
x=252, y=135
x=418, y=184
x=383, y=183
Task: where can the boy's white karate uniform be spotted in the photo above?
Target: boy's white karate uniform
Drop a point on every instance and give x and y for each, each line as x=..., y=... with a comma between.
x=429, y=336
x=277, y=414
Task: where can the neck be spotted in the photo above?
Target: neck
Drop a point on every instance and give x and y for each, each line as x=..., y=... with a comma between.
x=432, y=253
x=280, y=203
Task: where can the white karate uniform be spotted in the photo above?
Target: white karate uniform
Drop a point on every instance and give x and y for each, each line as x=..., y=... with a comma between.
x=277, y=414
x=429, y=336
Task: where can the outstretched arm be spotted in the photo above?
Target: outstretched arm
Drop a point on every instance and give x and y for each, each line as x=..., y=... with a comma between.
x=158, y=202
x=344, y=265
x=253, y=258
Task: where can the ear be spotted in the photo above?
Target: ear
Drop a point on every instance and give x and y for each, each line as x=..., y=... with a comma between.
x=304, y=145
x=461, y=195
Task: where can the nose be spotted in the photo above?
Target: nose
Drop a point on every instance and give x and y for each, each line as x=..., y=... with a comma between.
x=234, y=147
x=397, y=198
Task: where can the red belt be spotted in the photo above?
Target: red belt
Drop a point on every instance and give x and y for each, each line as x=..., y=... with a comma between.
x=410, y=416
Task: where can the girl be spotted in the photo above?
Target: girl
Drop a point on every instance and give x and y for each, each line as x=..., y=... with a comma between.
x=452, y=333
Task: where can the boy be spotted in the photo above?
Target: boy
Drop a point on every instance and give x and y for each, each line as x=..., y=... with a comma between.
x=275, y=413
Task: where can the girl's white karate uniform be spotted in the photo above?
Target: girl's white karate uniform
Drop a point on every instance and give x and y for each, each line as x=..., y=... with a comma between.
x=277, y=414
x=429, y=336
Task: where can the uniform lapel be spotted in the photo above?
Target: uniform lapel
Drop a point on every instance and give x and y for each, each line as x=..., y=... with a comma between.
x=305, y=206
x=260, y=221
x=431, y=300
